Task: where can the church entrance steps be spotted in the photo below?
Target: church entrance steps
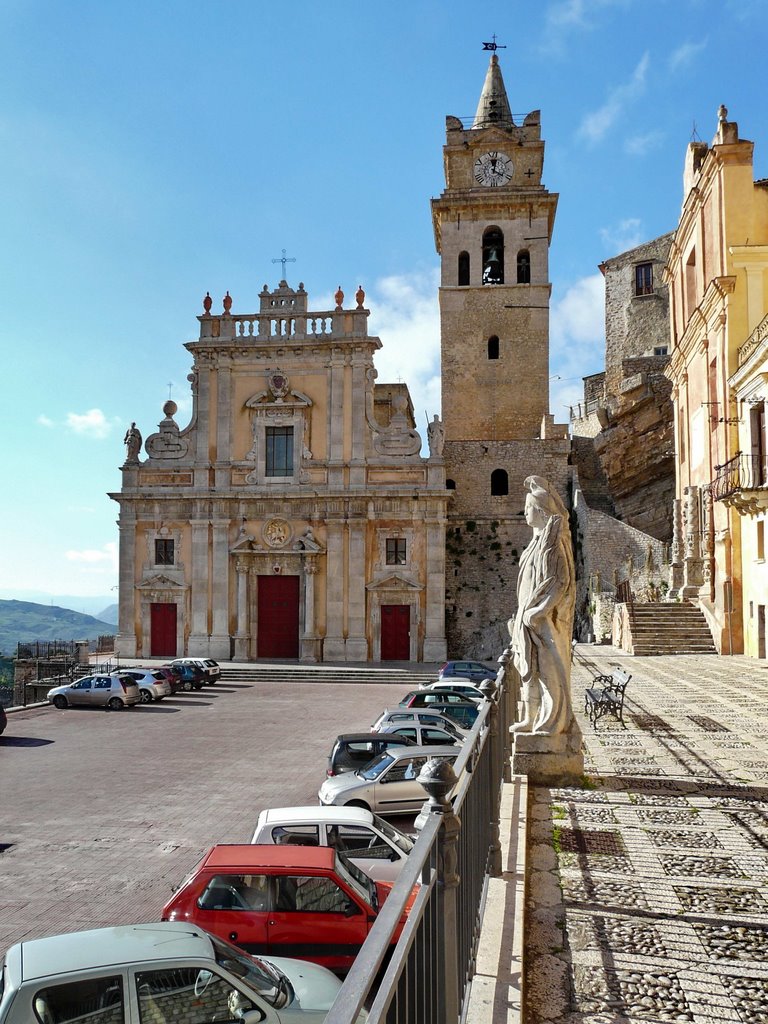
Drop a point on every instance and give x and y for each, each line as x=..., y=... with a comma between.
x=409, y=678
x=669, y=628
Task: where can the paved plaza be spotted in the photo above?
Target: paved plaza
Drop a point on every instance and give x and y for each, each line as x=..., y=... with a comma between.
x=648, y=887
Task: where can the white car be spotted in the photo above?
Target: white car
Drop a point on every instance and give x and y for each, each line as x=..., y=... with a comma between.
x=208, y=666
x=423, y=735
x=409, y=716
x=462, y=686
x=388, y=784
x=153, y=685
x=142, y=973
x=378, y=848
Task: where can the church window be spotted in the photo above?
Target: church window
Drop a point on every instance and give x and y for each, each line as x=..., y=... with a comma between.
x=463, y=268
x=499, y=482
x=493, y=347
x=644, y=279
x=450, y=485
x=396, y=551
x=661, y=350
x=493, y=256
x=164, y=553
x=279, y=451
x=523, y=267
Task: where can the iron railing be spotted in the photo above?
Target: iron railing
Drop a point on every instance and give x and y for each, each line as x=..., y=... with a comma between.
x=425, y=978
x=741, y=473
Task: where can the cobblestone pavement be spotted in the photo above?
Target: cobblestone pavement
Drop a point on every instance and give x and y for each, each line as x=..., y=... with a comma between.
x=103, y=812
x=648, y=887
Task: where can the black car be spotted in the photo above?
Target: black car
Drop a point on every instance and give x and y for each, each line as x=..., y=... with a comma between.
x=353, y=750
x=3, y=719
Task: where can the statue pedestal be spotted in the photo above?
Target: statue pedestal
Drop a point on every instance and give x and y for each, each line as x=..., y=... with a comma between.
x=549, y=760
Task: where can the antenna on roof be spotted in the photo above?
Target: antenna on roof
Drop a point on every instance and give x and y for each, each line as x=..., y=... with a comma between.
x=695, y=137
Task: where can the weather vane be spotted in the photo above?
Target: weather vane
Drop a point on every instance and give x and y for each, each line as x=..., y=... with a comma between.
x=493, y=45
x=284, y=259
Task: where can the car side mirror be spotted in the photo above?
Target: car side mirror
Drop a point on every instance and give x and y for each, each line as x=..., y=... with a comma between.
x=352, y=909
x=254, y=1016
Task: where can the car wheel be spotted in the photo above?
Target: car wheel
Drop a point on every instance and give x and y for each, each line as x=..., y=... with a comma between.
x=198, y=686
x=358, y=803
x=115, y=704
x=146, y=697
x=60, y=701
x=186, y=685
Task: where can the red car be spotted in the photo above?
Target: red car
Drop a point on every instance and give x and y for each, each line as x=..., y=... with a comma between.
x=298, y=901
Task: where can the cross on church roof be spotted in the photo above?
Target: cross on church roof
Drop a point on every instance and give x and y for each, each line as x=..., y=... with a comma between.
x=284, y=259
x=493, y=45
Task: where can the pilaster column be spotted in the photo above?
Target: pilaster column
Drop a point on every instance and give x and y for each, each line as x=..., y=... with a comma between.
x=309, y=643
x=219, y=646
x=241, y=637
x=336, y=420
x=223, y=425
x=693, y=566
x=676, y=565
x=435, y=646
x=198, y=638
x=202, y=426
x=359, y=422
x=357, y=644
x=127, y=611
x=333, y=646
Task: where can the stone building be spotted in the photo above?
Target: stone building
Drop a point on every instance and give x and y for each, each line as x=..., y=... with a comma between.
x=718, y=279
x=493, y=226
x=294, y=517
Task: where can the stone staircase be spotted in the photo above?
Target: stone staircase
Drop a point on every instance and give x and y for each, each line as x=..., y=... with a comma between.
x=592, y=479
x=408, y=677
x=669, y=628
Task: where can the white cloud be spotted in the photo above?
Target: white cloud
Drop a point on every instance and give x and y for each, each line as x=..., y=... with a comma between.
x=564, y=17
x=594, y=126
x=93, y=557
x=44, y=421
x=622, y=236
x=90, y=424
x=577, y=345
x=684, y=55
x=639, y=145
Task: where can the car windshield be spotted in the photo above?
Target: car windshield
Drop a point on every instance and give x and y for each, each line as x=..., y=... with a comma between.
x=356, y=879
x=375, y=767
x=265, y=979
x=401, y=841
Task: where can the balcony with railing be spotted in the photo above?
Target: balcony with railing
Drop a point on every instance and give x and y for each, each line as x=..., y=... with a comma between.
x=742, y=483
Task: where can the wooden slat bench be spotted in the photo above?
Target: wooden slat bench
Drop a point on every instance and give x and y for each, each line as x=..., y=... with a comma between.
x=606, y=696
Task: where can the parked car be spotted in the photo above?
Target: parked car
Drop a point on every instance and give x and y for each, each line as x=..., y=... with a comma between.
x=207, y=666
x=464, y=714
x=153, y=684
x=402, y=716
x=352, y=750
x=467, y=670
x=422, y=735
x=173, y=677
x=462, y=711
x=143, y=973
x=378, y=848
x=3, y=720
x=388, y=785
x=267, y=898
x=115, y=691
x=464, y=687
x=192, y=677
x=423, y=698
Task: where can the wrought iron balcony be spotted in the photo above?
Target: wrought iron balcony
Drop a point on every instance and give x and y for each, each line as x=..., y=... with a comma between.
x=742, y=483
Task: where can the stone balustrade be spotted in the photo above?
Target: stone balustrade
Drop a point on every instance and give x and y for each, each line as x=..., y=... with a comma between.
x=297, y=326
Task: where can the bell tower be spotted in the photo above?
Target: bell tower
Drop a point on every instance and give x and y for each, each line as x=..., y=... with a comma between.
x=493, y=225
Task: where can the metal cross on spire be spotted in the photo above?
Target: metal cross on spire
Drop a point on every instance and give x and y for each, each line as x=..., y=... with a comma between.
x=284, y=259
x=493, y=45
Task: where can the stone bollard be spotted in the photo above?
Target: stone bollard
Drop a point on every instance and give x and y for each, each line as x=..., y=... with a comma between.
x=438, y=779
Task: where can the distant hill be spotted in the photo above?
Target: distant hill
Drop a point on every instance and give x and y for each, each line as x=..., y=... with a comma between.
x=23, y=620
x=108, y=614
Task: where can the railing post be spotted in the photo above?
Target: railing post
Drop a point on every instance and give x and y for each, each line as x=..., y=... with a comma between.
x=506, y=680
x=438, y=779
x=488, y=690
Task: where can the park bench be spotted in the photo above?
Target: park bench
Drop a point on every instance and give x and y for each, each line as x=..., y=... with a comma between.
x=606, y=696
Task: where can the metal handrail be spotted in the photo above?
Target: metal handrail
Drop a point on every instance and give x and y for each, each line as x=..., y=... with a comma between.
x=426, y=976
x=741, y=473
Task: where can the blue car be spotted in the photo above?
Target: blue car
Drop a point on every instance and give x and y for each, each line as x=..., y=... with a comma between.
x=474, y=670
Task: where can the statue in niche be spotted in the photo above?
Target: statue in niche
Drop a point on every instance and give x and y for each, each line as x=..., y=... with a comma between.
x=132, y=442
x=436, y=436
x=543, y=625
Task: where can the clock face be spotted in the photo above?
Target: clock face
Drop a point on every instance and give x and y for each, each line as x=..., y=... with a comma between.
x=492, y=169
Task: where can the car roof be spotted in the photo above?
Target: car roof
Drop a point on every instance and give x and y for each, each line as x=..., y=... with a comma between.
x=431, y=750
x=105, y=947
x=253, y=856
x=312, y=813
x=367, y=737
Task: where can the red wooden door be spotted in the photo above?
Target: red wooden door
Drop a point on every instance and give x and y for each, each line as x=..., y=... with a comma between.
x=278, y=611
x=395, y=632
x=162, y=630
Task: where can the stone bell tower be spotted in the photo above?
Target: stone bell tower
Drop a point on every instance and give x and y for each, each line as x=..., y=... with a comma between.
x=493, y=225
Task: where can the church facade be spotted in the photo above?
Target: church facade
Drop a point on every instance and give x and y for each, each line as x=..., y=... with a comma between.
x=294, y=517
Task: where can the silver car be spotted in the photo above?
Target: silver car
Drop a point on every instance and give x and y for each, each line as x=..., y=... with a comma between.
x=422, y=716
x=113, y=690
x=386, y=785
x=423, y=735
x=153, y=685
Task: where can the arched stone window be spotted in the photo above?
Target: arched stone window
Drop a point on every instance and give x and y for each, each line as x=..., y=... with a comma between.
x=450, y=485
x=463, y=268
x=523, y=267
x=493, y=347
x=499, y=482
x=493, y=256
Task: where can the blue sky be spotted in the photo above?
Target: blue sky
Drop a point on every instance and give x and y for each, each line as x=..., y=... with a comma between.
x=156, y=151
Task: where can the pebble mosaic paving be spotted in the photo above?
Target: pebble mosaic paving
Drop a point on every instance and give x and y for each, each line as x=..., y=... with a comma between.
x=661, y=856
